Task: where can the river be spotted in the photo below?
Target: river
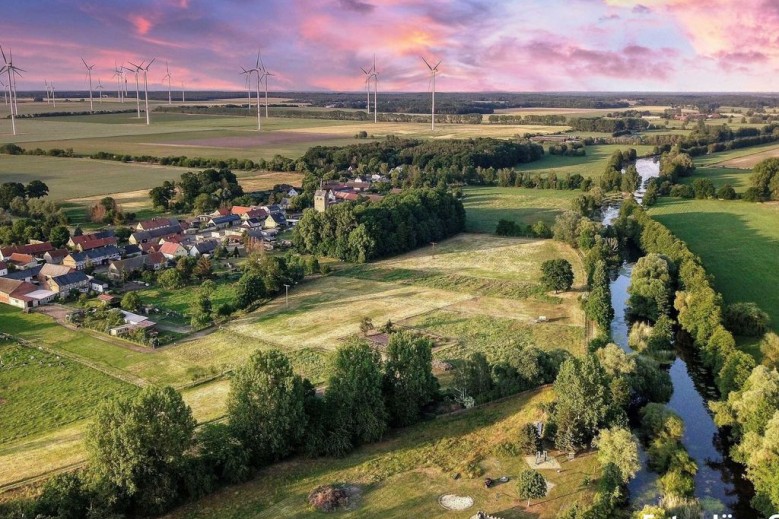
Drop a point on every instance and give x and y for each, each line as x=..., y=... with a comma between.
x=719, y=483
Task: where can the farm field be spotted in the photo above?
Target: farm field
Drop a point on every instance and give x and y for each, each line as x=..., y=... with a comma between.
x=485, y=206
x=742, y=158
x=591, y=165
x=738, y=178
x=738, y=242
x=404, y=475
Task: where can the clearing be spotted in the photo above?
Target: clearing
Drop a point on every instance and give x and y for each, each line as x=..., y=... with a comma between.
x=405, y=475
x=486, y=205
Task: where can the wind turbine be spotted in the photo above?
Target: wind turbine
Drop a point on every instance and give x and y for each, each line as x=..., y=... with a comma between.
x=248, y=83
x=368, y=74
x=137, y=88
x=46, y=83
x=433, y=72
x=375, y=91
x=146, y=87
x=119, y=75
x=89, y=73
x=53, y=101
x=257, y=70
x=12, y=71
x=182, y=91
x=99, y=89
x=167, y=76
x=265, y=75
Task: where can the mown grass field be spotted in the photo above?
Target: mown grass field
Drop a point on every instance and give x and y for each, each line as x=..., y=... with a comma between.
x=404, y=475
x=742, y=158
x=738, y=242
x=485, y=206
x=738, y=178
x=591, y=165
x=40, y=391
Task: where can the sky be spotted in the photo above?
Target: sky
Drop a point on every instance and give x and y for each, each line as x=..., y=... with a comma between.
x=483, y=45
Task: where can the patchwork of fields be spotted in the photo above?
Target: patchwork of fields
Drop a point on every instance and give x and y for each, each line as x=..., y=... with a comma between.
x=483, y=284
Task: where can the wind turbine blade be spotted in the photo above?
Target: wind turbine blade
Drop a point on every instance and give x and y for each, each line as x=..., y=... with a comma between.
x=3, y=53
x=426, y=63
x=149, y=65
x=436, y=65
x=84, y=62
x=363, y=70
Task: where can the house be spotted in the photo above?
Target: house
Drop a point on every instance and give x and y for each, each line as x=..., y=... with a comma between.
x=36, y=250
x=95, y=285
x=49, y=270
x=96, y=243
x=239, y=210
x=172, y=250
x=222, y=211
x=276, y=220
x=157, y=223
x=101, y=256
x=133, y=322
x=108, y=300
x=21, y=261
x=292, y=192
x=66, y=283
x=28, y=276
x=253, y=223
x=75, y=241
x=223, y=222
x=257, y=212
x=130, y=251
x=55, y=256
x=203, y=248
x=14, y=292
x=3, y=269
x=120, y=269
x=140, y=237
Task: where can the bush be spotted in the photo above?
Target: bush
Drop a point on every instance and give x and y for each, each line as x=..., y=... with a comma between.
x=752, y=194
x=746, y=319
x=726, y=192
x=682, y=191
x=63, y=497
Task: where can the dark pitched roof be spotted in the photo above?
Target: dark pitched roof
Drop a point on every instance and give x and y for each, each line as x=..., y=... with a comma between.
x=225, y=219
x=70, y=279
x=204, y=247
x=32, y=249
x=24, y=274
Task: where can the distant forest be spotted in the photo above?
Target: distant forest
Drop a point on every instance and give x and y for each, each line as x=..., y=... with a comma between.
x=475, y=102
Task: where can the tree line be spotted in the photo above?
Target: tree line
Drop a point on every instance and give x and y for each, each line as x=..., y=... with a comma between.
x=749, y=405
x=363, y=230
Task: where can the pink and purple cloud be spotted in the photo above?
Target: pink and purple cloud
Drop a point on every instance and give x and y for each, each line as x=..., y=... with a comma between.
x=532, y=45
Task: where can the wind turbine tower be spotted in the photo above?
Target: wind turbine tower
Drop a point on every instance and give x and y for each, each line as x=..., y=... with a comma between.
x=119, y=75
x=248, y=83
x=265, y=75
x=375, y=91
x=167, y=76
x=146, y=87
x=89, y=73
x=99, y=89
x=46, y=83
x=368, y=75
x=182, y=91
x=53, y=100
x=433, y=72
x=136, y=71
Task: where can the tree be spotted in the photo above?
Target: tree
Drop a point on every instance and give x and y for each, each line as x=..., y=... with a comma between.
x=474, y=377
x=354, y=396
x=36, y=189
x=582, y=402
x=409, y=383
x=531, y=485
x=131, y=302
x=171, y=279
x=617, y=446
x=704, y=188
x=726, y=192
x=203, y=269
x=557, y=274
x=735, y=372
x=137, y=445
x=566, y=228
x=650, y=287
x=64, y=497
x=266, y=407
x=59, y=236
x=222, y=453
x=200, y=311
x=746, y=318
x=366, y=325
x=765, y=179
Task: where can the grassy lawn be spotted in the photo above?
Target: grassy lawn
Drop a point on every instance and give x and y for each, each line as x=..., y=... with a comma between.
x=484, y=206
x=40, y=391
x=404, y=475
x=742, y=158
x=181, y=300
x=738, y=242
x=738, y=178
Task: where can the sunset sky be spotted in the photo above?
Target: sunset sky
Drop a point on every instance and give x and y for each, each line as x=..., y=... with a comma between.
x=521, y=45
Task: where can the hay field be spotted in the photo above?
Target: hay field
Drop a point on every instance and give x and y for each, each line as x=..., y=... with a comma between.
x=746, y=158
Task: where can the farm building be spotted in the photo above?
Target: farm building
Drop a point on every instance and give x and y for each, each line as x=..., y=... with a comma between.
x=140, y=237
x=55, y=256
x=96, y=243
x=101, y=256
x=157, y=223
x=75, y=241
x=15, y=293
x=36, y=250
x=65, y=283
x=21, y=261
x=223, y=222
x=120, y=269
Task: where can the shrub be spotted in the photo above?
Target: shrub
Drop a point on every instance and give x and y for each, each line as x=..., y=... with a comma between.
x=746, y=318
x=726, y=192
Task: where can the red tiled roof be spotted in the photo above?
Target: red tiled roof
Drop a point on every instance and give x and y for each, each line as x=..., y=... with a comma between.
x=21, y=259
x=240, y=209
x=156, y=258
x=169, y=247
x=33, y=248
x=59, y=253
x=97, y=243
